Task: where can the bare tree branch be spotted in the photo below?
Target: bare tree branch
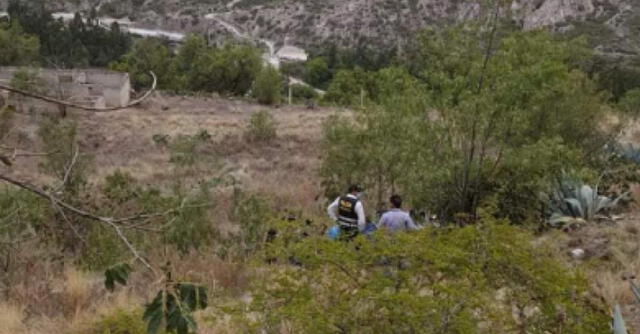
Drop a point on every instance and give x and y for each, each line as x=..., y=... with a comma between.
x=80, y=212
x=133, y=250
x=66, y=219
x=78, y=106
x=68, y=169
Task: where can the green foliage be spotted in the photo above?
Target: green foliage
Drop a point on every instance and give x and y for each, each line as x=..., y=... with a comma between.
x=477, y=279
x=27, y=79
x=120, y=321
x=262, y=127
x=316, y=72
x=118, y=187
x=231, y=69
x=18, y=48
x=303, y=92
x=145, y=56
x=65, y=162
x=23, y=217
x=118, y=273
x=184, y=149
x=268, y=86
x=252, y=214
x=453, y=134
x=103, y=248
x=630, y=102
x=347, y=87
x=172, y=308
x=78, y=44
x=191, y=226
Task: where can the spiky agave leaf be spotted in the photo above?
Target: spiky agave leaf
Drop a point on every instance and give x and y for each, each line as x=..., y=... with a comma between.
x=619, y=326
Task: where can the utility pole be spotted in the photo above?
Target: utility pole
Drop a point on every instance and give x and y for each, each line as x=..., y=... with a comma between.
x=289, y=84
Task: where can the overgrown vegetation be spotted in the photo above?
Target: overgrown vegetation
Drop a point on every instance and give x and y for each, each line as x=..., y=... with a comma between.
x=478, y=279
x=475, y=125
x=79, y=44
x=261, y=127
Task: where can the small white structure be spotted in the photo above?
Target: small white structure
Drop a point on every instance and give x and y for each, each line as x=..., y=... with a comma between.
x=92, y=87
x=291, y=53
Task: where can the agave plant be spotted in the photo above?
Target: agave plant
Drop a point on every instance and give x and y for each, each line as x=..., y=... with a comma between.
x=628, y=152
x=574, y=202
x=618, y=325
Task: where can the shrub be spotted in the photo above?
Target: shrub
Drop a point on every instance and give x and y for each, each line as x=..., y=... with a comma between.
x=630, y=102
x=120, y=321
x=303, y=92
x=251, y=213
x=479, y=279
x=317, y=72
x=268, y=86
x=262, y=127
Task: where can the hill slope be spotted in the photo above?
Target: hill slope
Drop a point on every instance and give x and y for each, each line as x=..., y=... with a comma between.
x=613, y=25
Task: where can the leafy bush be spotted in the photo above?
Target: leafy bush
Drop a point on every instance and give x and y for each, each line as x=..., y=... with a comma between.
x=187, y=150
x=148, y=55
x=303, y=92
x=59, y=139
x=316, y=72
x=231, y=69
x=18, y=48
x=487, y=278
x=262, y=127
x=630, y=102
x=268, y=86
x=252, y=214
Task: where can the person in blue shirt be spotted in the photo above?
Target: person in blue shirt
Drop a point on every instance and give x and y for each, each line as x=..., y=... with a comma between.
x=396, y=219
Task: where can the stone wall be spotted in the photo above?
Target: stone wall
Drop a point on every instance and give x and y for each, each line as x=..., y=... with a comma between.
x=93, y=87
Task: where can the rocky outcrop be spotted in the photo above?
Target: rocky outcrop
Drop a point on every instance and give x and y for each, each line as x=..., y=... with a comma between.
x=612, y=25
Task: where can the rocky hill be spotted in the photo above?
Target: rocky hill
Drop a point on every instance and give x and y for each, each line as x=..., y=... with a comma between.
x=613, y=26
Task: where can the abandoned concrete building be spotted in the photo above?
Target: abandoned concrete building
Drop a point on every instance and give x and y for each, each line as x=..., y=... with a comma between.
x=90, y=87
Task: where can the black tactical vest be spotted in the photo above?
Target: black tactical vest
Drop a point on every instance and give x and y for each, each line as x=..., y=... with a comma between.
x=347, y=210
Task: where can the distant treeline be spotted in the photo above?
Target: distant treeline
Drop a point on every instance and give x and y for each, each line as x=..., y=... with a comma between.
x=81, y=43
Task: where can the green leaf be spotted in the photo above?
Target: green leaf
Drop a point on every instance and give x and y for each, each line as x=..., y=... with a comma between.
x=175, y=309
x=154, y=313
x=118, y=273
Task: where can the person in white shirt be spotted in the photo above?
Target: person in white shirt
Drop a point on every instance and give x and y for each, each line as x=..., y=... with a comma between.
x=395, y=219
x=348, y=212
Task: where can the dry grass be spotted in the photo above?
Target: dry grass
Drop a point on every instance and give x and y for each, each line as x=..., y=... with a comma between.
x=11, y=319
x=612, y=255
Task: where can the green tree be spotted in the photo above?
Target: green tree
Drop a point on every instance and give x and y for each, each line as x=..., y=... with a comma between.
x=193, y=47
x=316, y=72
x=18, y=48
x=268, y=86
x=231, y=69
x=463, y=137
x=348, y=88
x=148, y=55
